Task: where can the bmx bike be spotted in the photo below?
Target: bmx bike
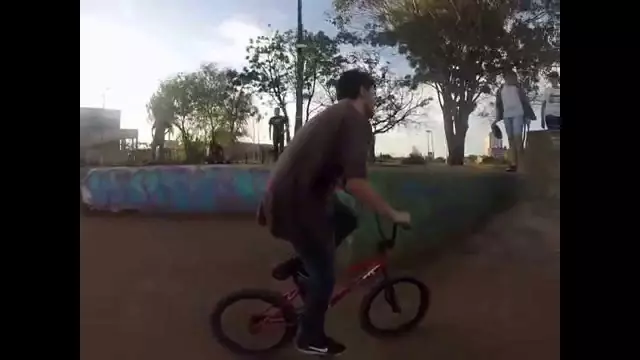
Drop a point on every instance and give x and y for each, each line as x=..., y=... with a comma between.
x=281, y=312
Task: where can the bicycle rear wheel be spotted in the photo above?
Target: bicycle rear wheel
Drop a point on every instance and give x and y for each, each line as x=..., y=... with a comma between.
x=274, y=316
x=386, y=294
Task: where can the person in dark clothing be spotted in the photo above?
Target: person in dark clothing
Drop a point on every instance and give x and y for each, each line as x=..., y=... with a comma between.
x=344, y=222
x=277, y=126
x=300, y=205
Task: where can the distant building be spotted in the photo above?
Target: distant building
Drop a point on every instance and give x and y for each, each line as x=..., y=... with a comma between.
x=101, y=138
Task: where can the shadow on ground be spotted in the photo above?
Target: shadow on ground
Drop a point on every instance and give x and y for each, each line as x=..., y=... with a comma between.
x=148, y=285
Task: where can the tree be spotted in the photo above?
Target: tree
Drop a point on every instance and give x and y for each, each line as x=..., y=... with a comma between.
x=179, y=90
x=208, y=91
x=237, y=103
x=397, y=103
x=271, y=68
x=459, y=47
x=203, y=105
x=161, y=114
x=321, y=59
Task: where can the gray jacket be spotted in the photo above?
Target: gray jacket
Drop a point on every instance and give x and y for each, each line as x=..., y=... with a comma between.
x=526, y=105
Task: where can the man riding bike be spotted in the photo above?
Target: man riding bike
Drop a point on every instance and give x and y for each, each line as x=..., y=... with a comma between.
x=300, y=205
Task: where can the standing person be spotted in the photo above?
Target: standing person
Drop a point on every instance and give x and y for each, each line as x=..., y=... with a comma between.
x=512, y=106
x=158, y=132
x=300, y=205
x=550, y=111
x=278, y=123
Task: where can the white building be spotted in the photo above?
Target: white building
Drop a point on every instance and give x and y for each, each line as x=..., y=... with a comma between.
x=101, y=138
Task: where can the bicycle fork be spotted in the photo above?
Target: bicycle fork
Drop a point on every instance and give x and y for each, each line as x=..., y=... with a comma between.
x=390, y=295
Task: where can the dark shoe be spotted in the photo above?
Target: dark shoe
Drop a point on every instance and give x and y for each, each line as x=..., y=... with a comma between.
x=327, y=347
x=512, y=168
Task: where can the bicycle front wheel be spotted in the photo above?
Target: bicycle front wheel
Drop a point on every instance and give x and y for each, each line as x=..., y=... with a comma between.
x=394, y=306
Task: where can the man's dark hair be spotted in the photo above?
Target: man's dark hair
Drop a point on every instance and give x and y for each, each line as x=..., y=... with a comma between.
x=350, y=82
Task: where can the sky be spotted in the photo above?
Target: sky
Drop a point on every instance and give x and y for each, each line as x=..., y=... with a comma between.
x=128, y=46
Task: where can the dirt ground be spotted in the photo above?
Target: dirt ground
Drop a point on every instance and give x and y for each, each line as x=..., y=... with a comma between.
x=148, y=286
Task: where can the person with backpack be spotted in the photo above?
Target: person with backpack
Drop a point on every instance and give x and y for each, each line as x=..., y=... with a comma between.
x=513, y=106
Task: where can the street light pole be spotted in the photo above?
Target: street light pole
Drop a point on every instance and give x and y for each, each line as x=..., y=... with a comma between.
x=104, y=97
x=430, y=145
x=299, y=70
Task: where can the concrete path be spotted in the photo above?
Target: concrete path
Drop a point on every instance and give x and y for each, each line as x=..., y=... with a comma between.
x=148, y=285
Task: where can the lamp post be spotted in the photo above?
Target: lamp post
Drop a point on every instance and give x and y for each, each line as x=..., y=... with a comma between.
x=299, y=70
x=430, y=145
x=104, y=97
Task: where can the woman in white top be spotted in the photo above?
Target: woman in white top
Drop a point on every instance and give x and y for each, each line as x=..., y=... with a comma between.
x=512, y=106
x=551, y=104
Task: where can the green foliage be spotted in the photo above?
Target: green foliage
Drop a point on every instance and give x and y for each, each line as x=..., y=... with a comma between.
x=460, y=47
x=203, y=106
x=414, y=159
x=472, y=158
x=161, y=113
x=397, y=103
x=272, y=68
x=272, y=60
x=490, y=160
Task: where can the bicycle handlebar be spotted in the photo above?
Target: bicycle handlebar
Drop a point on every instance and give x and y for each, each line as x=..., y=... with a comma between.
x=394, y=231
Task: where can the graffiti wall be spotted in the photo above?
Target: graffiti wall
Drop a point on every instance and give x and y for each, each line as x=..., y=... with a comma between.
x=442, y=203
x=543, y=164
x=189, y=188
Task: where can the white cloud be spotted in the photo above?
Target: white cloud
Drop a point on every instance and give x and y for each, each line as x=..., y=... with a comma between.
x=128, y=63
x=124, y=64
x=229, y=41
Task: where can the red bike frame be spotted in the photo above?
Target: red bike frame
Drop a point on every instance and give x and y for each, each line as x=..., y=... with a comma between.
x=359, y=273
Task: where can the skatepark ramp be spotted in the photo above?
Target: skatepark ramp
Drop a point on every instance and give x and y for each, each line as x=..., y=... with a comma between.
x=443, y=201
x=542, y=165
x=148, y=283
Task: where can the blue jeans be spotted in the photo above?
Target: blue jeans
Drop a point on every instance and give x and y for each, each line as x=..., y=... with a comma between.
x=318, y=260
x=316, y=248
x=514, y=126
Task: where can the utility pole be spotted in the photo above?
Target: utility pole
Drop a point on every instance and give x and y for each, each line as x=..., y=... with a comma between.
x=430, y=145
x=104, y=97
x=299, y=70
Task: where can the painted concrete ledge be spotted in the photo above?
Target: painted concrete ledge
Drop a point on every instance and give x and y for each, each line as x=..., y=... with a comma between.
x=542, y=163
x=443, y=201
x=443, y=205
x=170, y=189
